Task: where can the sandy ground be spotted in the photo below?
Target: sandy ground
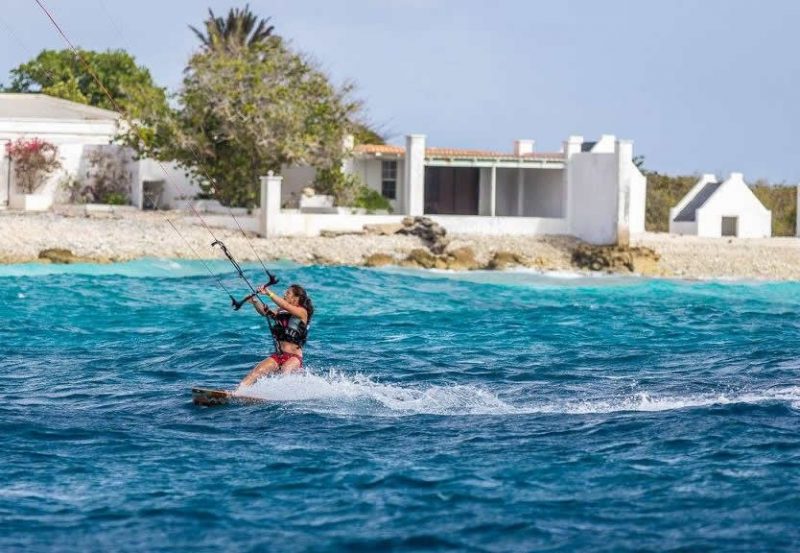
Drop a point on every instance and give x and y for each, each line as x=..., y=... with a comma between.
x=134, y=234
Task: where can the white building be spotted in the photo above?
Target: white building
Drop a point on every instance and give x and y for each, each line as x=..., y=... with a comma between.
x=591, y=190
x=76, y=130
x=713, y=208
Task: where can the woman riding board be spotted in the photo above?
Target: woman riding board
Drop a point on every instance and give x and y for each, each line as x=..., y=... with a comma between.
x=290, y=330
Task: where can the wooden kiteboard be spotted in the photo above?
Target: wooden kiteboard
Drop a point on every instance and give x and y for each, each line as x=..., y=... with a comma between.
x=212, y=398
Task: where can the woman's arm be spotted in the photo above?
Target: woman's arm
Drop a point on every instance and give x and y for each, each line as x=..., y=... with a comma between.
x=295, y=310
x=261, y=308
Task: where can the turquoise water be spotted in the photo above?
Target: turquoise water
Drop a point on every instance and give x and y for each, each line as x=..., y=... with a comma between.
x=467, y=412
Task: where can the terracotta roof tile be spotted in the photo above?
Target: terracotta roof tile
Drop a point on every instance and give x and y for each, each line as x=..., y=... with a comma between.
x=453, y=152
x=379, y=149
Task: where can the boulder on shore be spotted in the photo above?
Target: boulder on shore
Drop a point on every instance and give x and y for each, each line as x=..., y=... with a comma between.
x=379, y=260
x=430, y=232
x=503, y=260
x=383, y=229
x=616, y=259
x=64, y=256
x=419, y=258
x=462, y=259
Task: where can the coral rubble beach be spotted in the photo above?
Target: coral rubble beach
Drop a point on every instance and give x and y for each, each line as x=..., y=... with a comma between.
x=127, y=235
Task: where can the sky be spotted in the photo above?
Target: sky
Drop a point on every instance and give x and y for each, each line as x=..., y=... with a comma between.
x=699, y=85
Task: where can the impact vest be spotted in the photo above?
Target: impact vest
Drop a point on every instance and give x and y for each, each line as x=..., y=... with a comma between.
x=288, y=328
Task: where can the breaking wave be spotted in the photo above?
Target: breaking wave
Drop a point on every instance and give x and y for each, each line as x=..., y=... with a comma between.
x=342, y=394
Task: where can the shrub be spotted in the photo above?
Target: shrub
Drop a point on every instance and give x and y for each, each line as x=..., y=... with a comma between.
x=33, y=160
x=107, y=180
x=372, y=200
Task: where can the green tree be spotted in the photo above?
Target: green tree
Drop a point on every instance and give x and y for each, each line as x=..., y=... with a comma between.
x=663, y=193
x=241, y=29
x=247, y=111
x=781, y=200
x=363, y=133
x=63, y=74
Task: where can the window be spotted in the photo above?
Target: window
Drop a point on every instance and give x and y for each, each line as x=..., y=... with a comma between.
x=389, y=179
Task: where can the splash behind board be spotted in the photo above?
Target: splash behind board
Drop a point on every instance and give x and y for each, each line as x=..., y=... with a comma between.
x=213, y=398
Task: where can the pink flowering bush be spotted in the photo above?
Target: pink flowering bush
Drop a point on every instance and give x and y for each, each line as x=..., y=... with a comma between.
x=33, y=159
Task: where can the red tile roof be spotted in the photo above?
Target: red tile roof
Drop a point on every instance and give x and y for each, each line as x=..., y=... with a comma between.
x=453, y=152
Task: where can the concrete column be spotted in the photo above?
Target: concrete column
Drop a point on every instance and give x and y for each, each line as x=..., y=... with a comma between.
x=570, y=147
x=493, y=191
x=624, y=150
x=414, y=175
x=270, y=204
x=520, y=191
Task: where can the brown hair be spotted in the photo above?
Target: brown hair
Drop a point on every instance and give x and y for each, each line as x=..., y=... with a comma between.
x=304, y=300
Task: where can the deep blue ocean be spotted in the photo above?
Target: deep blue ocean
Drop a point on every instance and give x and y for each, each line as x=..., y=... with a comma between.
x=440, y=411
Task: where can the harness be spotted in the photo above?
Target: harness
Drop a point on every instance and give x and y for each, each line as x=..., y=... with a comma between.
x=288, y=328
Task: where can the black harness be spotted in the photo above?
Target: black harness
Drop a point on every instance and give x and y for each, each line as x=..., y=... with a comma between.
x=288, y=328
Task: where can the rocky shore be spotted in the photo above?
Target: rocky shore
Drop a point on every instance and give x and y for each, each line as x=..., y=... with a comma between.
x=110, y=237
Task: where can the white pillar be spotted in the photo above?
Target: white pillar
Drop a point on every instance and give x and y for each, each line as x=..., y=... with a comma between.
x=520, y=191
x=624, y=150
x=571, y=146
x=270, y=204
x=493, y=190
x=414, y=177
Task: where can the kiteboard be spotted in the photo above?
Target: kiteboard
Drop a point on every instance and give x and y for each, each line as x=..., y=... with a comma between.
x=212, y=398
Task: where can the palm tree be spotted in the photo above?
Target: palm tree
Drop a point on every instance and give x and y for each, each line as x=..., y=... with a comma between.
x=242, y=28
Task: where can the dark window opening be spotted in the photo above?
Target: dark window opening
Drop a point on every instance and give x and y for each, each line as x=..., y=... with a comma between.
x=389, y=179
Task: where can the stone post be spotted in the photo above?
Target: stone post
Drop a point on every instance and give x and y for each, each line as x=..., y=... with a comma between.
x=270, y=205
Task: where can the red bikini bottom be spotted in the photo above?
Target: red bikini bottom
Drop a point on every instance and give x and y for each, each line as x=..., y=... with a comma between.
x=281, y=358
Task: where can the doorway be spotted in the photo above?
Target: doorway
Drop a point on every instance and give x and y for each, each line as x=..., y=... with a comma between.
x=452, y=190
x=730, y=226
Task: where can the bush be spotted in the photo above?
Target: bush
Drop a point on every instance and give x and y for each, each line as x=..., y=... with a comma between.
x=372, y=200
x=782, y=201
x=108, y=180
x=33, y=159
x=663, y=193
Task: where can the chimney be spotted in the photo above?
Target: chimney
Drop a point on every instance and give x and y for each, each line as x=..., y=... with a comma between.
x=572, y=145
x=523, y=146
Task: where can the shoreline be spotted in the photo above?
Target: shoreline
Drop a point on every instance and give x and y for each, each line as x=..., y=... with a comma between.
x=131, y=235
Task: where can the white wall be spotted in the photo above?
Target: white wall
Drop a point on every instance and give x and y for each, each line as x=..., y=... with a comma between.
x=476, y=224
x=593, y=190
x=543, y=193
x=177, y=185
x=70, y=137
x=734, y=199
x=295, y=178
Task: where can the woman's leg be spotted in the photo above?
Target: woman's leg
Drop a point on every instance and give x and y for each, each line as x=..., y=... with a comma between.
x=264, y=368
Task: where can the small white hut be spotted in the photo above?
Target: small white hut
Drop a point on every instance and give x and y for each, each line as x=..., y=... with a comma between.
x=713, y=208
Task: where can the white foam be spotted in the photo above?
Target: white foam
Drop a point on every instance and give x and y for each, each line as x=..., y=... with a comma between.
x=358, y=394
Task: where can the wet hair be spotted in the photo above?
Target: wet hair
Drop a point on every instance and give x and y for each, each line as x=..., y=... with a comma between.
x=303, y=299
